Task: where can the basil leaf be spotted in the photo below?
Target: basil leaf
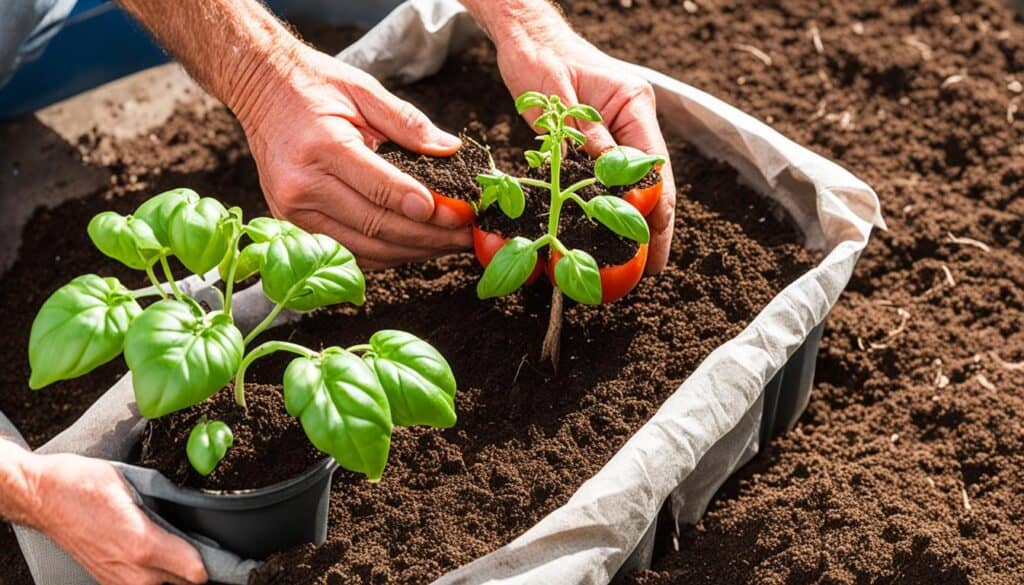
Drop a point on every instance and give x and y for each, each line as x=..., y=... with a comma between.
x=624, y=165
x=575, y=135
x=306, y=271
x=157, y=211
x=200, y=233
x=416, y=377
x=179, y=356
x=508, y=270
x=619, y=216
x=530, y=99
x=535, y=158
x=264, y=229
x=126, y=239
x=585, y=112
x=80, y=327
x=342, y=408
x=579, y=277
x=207, y=444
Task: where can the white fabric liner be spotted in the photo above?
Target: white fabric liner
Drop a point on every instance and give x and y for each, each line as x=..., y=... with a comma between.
x=702, y=433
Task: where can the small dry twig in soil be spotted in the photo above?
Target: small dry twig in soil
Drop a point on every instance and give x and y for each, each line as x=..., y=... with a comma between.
x=757, y=53
x=551, y=349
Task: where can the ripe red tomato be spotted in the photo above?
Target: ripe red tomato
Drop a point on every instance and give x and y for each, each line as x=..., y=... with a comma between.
x=644, y=199
x=616, y=281
x=487, y=244
x=459, y=208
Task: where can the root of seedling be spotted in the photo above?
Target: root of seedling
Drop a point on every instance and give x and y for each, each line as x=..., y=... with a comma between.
x=969, y=242
x=1013, y=367
x=551, y=349
x=757, y=53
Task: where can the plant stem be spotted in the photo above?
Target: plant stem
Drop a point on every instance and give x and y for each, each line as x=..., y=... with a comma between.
x=533, y=182
x=229, y=285
x=579, y=185
x=262, y=350
x=170, y=277
x=264, y=323
x=155, y=281
x=579, y=201
x=555, y=186
x=360, y=347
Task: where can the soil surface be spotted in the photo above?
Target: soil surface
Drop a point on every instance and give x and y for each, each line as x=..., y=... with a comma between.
x=525, y=439
x=269, y=445
x=908, y=466
x=452, y=176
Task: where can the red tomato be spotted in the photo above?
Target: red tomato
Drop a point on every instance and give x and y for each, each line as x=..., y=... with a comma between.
x=644, y=199
x=487, y=244
x=616, y=281
x=461, y=209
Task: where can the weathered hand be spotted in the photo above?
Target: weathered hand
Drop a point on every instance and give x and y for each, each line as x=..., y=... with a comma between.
x=84, y=505
x=313, y=128
x=546, y=55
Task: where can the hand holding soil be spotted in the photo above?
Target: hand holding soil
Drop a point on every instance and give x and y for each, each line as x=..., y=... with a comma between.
x=538, y=51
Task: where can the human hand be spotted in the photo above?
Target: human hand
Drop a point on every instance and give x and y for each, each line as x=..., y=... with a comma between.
x=84, y=506
x=313, y=127
x=538, y=51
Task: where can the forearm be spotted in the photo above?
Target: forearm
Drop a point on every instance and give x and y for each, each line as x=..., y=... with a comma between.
x=18, y=494
x=234, y=48
x=509, y=20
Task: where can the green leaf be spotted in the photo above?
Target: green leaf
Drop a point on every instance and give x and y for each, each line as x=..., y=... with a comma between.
x=343, y=409
x=575, y=135
x=126, y=239
x=508, y=270
x=530, y=99
x=547, y=121
x=579, y=277
x=623, y=166
x=157, y=211
x=200, y=233
x=264, y=229
x=585, y=112
x=306, y=271
x=619, y=216
x=248, y=261
x=416, y=377
x=535, y=158
x=179, y=356
x=207, y=444
x=81, y=326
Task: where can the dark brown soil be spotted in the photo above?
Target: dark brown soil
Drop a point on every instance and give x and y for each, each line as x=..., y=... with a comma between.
x=269, y=445
x=908, y=466
x=453, y=176
x=526, y=440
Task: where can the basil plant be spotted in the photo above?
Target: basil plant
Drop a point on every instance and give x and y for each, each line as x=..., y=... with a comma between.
x=347, y=399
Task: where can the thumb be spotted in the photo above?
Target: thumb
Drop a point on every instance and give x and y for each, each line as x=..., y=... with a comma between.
x=404, y=124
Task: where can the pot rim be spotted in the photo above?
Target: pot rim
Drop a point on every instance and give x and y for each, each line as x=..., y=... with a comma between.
x=251, y=498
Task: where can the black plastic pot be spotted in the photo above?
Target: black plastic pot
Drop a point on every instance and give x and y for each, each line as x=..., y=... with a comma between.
x=783, y=403
x=253, y=523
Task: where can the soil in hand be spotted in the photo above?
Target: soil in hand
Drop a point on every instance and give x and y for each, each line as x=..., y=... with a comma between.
x=269, y=445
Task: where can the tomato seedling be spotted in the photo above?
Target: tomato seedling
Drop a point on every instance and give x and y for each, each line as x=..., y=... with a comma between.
x=179, y=353
x=573, y=271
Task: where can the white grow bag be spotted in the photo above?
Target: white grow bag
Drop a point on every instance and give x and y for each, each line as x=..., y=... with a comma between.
x=702, y=433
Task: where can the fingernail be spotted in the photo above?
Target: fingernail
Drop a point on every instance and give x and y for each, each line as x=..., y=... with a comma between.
x=414, y=206
x=447, y=141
